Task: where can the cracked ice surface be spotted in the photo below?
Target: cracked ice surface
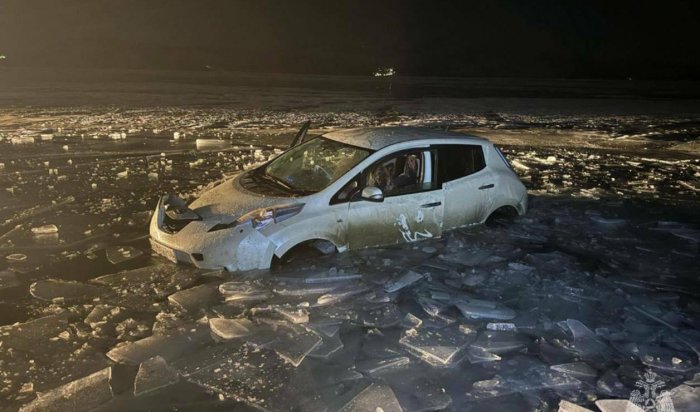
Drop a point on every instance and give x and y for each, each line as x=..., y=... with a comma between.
x=573, y=302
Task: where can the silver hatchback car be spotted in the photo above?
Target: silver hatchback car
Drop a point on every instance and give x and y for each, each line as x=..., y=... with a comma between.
x=344, y=190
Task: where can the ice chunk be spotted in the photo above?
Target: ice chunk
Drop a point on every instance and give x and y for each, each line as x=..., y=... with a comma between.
x=227, y=329
x=501, y=327
x=684, y=398
x=401, y=282
x=341, y=294
x=536, y=378
x=256, y=377
x=236, y=291
x=478, y=355
x=196, y=299
x=88, y=392
x=382, y=316
x=579, y=370
x=695, y=381
x=411, y=321
x=331, y=345
x=479, y=309
x=292, y=342
x=585, y=343
x=579, y=330
x=303, y=289
x=609, y=222
x=153, y=374
x=332, y=275
x=665, y=359
x=53, y=289
x=16, y=257
x=170, y=347
x=8, y=279
x=376, y=397
x=151, y=281
x=617, y=405
x=437, y=347
x=566, y=406
x=120, y=254
x=499, y=342
x=45, y=230
x=298, y=315
x=377, y=366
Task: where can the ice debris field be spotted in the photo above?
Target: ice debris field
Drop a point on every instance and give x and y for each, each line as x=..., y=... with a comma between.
x=568, y=307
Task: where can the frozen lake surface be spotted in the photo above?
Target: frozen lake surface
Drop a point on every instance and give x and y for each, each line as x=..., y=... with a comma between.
x=574, y=302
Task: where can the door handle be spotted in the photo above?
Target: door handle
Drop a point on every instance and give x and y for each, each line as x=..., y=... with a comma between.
x=488, y=186
x=427, y=205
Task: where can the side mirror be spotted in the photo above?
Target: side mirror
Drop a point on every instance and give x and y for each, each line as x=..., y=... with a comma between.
x=373, y=194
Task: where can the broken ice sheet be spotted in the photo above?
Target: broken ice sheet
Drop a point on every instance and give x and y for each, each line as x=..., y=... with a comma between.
x=482, y=309
x=153, y=374
x=478, y=355
x=331, y=345
x=292, y=342
x=51, y=289
x=580, y=370
x=44, y=230
x=151, y=281
x=402, y=281
x=332, y=275
x=243, y=291
x=381, y=316
x=170, y=346
x=253, y=376
x=500, y=342
x=566, y=406
x=585, y=343
x=119, y=254
x=376, y=397
x=441, y=347
x=88, y=392
x=294, y=315
x=535, y=378
x=196, y=299
x=304, y=289
x=376, y=367
x=341, y=294
x=227, y=329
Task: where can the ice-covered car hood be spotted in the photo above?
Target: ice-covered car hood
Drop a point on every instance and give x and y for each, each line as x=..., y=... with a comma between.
x=228, y=201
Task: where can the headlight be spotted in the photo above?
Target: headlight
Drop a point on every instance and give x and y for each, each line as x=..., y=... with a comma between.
x=260, y=218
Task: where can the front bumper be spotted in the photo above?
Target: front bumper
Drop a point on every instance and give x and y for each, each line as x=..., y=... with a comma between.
x=236, y=248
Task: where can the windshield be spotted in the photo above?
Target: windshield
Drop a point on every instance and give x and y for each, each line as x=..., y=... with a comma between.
x=313, y=165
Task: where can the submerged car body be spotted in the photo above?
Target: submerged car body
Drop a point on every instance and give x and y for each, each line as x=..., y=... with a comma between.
x=351, y=189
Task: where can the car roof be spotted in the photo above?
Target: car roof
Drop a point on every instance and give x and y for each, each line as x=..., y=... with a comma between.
x=377, y=138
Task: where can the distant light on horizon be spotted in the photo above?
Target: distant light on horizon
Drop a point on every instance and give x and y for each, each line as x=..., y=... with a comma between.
x=385, y=72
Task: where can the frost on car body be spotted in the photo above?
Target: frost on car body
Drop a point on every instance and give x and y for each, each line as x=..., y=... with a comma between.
x=354, y=188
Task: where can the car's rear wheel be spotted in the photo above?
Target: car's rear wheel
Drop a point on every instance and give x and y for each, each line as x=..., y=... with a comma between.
x=502, y=216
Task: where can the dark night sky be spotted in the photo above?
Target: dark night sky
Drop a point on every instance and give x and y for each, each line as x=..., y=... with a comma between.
x=544, y=38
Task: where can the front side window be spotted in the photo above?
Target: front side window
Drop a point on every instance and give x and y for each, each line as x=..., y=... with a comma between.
x=404, y=173
x=315, y=164
x=457, y=161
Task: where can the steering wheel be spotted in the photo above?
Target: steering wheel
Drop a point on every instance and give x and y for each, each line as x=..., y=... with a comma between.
x=325, y=172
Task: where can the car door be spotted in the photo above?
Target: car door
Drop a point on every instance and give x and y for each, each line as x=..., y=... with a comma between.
x=406, y=214
x=467, y=184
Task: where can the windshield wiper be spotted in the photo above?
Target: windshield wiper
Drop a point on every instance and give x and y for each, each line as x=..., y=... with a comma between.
x=278, y=181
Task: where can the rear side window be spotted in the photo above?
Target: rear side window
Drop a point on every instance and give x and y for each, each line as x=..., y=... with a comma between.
x=456, y=161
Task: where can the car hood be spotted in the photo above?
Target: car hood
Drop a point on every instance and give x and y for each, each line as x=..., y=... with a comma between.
x=228, y=201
